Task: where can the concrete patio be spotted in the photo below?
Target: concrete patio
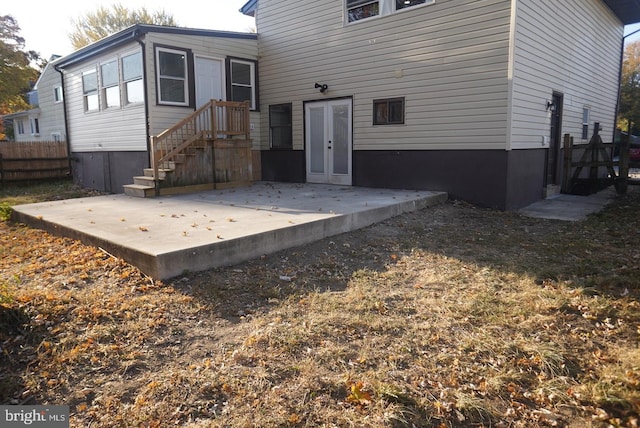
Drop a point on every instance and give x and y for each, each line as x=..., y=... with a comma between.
x=169, y=235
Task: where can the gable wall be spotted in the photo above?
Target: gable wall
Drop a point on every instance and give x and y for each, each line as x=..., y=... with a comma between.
x=572, y=47
x=449, y=60
x=51, y=112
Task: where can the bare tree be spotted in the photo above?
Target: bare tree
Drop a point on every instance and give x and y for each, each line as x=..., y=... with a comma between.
x=103, y=22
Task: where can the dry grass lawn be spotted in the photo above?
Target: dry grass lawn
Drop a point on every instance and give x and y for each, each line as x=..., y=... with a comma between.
x=453, y=316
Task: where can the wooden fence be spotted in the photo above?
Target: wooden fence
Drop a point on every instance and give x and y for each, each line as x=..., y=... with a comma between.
x=33, y=160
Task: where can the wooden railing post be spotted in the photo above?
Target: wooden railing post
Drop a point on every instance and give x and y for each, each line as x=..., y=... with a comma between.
x=154, y=165
x=568, y=157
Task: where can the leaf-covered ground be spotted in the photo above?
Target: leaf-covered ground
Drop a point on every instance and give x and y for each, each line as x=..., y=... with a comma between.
x=451, y=316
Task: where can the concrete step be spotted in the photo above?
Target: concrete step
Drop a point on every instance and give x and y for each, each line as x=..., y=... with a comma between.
x=139, y=191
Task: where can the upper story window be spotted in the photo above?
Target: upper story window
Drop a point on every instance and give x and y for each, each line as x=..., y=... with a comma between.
x=132, y=78
x=172, y=77
x=90, y=90
x=57, y=94
x=110, y=84
x=242, y=81
x=362, y=9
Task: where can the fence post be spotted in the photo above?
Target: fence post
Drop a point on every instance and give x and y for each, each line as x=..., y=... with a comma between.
x=623, y=167
x=568, y=157
x=1, y=173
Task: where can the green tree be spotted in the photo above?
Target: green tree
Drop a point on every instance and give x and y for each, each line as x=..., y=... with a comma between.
x=629, y=113
x=16, y=73
x=103, y=22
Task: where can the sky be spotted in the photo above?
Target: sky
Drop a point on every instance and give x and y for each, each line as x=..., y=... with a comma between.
x=45, y=24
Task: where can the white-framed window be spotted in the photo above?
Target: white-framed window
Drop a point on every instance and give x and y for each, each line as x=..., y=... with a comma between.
x=357, y=10
x=90, y=90
x=20, y=126
x=56, y=136
x=585, y=123
x=109, y=76
x=242, y=78
x=173, y=84
x=57, y=94
x=132, y=78
x=35, y=126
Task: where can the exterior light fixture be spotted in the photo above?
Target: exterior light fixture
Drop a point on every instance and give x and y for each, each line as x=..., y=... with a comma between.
x=550, y=106
x=323, y=87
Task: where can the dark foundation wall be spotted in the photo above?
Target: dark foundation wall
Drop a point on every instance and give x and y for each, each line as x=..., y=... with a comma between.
x=476, y=176
x=287, y=166
x=525, y=180
x=107, y=171
x=505, y=180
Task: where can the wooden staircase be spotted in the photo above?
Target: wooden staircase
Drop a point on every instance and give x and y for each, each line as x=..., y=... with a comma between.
x=209, y=149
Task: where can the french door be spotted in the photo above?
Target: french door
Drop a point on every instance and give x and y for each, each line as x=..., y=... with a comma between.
x=328, y=141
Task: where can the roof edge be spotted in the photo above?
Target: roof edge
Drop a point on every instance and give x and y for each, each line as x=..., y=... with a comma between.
x=131, y=33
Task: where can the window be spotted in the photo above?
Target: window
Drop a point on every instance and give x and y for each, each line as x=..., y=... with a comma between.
x=56, y=136
x=280, y=131
x=363, y=9
x=110, y=84
x=20, y=126
x=585, y=123
x=172, y=77
x=35, y=126
x=90, y=90
x=388, y=111
x=132, y=77
x=57, y=94
x=243, y=81
x=401, y=4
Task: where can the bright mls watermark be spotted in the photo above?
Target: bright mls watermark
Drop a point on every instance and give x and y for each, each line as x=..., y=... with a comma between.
x=34, y=416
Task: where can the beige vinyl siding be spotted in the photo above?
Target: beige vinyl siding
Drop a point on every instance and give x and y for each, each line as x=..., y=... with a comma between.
x=51, y=113
x=163, y=116
x=449, y=60
x=113, y=129
x=572, y=47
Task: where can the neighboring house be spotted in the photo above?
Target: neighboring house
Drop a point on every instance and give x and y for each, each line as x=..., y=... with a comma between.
x=45, y=121
x=467, y=96
x=128, y=87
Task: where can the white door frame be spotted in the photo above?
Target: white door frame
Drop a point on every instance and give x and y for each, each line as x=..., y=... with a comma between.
x=329, y=149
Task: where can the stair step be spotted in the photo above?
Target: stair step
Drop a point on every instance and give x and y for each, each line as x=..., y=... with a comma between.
x=139, y=191
x=144, y=180
x=162, y=172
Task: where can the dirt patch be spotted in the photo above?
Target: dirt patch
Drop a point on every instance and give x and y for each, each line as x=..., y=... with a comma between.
x=450, y=316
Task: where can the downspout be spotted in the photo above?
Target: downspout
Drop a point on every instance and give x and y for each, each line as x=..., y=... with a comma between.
x=66, y=122
x=136, y=36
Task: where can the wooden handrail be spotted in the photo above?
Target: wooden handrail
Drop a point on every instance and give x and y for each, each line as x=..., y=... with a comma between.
x=214, y=120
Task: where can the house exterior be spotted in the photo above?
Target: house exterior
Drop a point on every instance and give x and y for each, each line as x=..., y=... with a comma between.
x=134, y=84
x=471, y=97
x=45, y=121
